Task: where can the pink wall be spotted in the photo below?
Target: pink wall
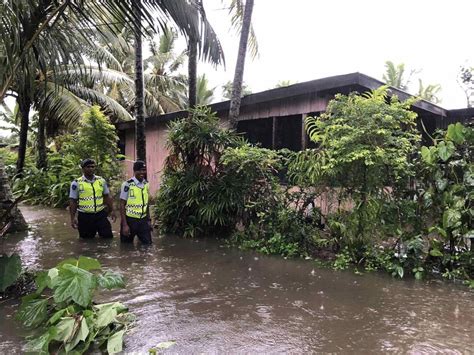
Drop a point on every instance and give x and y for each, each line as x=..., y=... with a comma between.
x=156, y=136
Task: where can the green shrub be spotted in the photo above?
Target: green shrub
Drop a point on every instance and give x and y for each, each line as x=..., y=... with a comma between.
x=64, y=316
x=197, y=195
x=95, y=138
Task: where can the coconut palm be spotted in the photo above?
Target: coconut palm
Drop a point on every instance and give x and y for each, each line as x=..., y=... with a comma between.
x=234, y=109
x=429, y=92
x=32, y=42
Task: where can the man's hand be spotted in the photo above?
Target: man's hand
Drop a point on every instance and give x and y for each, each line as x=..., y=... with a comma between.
x=74, y=223
x=125, y=230
x=113, y=216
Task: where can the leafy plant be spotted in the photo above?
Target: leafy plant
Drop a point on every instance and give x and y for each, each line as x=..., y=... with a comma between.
x=366, y=143
x=62, y=309
x=95, y=138
x=10, y=270
x=197, y=195
x=446, y=189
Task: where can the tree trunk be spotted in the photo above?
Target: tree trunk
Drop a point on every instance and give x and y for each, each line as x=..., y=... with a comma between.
x=140, y=137
x=41, y=161
x=24, y=103
x=192, y=72
x=11, y=218
x=234, y=110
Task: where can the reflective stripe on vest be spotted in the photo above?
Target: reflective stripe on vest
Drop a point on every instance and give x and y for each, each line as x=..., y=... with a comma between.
x=91, y=195
x=137, y=201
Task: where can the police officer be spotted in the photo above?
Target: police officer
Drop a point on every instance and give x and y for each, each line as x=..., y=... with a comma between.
x=134, y=209
x=89, y=195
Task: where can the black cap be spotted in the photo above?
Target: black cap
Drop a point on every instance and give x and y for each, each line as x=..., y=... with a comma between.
x=87, y=162
x=139, y=165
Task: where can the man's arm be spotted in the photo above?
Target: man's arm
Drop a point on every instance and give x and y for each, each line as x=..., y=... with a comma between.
x=123, y=218
x=109, y=202
x=72, y=212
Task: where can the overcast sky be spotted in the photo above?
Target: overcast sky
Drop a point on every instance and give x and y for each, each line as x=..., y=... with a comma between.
x=302, y=40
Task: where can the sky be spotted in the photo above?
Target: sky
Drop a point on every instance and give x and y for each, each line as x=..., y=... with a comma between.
x=303, y=40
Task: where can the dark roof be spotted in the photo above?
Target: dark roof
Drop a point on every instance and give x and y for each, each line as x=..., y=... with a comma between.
x=331, y=85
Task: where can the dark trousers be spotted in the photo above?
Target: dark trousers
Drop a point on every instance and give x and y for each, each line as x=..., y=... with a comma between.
x=138, y=227
x=92, y=223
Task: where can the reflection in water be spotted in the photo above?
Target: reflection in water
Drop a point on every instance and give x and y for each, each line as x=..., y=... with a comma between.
x=212, y=299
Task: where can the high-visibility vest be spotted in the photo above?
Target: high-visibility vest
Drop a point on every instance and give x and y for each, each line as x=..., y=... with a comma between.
x=137, y=201
x=91, y=195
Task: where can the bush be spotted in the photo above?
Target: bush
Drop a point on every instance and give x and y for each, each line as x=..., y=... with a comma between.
x=95, y=138
x=197, y=195
x=62, y=309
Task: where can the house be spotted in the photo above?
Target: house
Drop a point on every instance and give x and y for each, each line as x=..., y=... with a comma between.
x=275, y=118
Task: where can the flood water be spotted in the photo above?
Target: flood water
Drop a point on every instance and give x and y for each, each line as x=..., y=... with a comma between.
x=212, y=299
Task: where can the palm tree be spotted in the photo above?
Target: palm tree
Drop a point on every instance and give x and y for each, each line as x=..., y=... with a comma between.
x=430, y=92
x=234, y=109
x=204, y=94
x=140, y=137
x=395, y=75
x=30, y=29
x=227, y=90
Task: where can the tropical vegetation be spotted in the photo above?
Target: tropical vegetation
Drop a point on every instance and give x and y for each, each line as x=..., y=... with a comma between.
x=95, y=138
x=390, y=203
x=63, y=316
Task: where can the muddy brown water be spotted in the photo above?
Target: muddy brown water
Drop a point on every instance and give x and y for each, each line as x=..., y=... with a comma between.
x=212, y=299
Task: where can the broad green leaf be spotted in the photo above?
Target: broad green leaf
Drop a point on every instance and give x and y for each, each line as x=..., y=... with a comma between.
x=435, y=252
x=441, y=184
x=110, y=280
x=65, y=329
x=10, y=269
x=83, y=262
x=115, y=342
x=33, y=311
x=426, y=155
x=53, y=277
x=87, y=263
x=107, y=312
x=446, y=150
x=80, y=335
x=57, y=316
x=456, y=133
x=74, y=284
x=40, y=344
x=41, y=281
x=451, y=218
x=400, y=271
x=469, y=178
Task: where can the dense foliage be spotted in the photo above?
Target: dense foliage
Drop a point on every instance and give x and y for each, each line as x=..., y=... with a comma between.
x=64, y=316
x=95, y=138
x=195, y=196
x=368, y=195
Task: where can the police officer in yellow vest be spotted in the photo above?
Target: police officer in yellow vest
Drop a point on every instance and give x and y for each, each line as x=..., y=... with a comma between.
x=88, y=196
x=134, y=211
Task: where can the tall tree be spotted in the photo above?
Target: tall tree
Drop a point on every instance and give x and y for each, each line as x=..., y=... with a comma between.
x=204, y=94
x=395, y=75
x=235, y=100
x=466, y=82
x=140, y=137
x=27, y=24
x=227, y=90
x=429, y=92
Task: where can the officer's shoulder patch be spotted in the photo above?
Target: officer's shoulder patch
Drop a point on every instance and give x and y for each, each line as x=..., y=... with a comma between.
x=126, y=188
x=74, y=187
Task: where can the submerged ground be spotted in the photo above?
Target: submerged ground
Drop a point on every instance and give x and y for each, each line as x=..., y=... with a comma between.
x=209, y=298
